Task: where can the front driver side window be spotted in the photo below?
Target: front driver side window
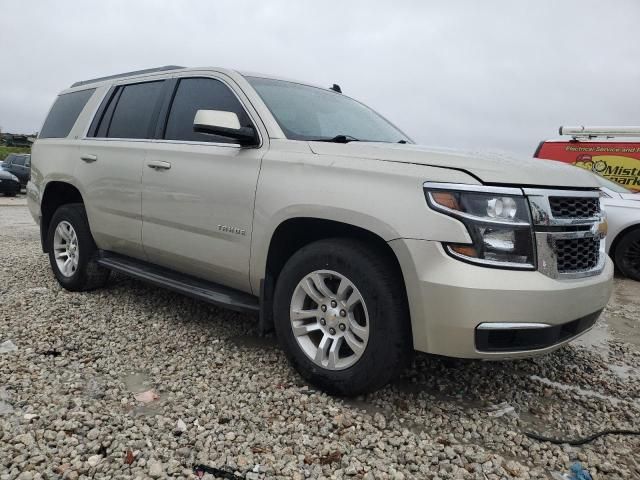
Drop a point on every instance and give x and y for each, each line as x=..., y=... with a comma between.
x=195, y=94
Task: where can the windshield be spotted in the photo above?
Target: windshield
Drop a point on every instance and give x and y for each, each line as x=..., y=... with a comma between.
x=616, y=187
x=311, y=113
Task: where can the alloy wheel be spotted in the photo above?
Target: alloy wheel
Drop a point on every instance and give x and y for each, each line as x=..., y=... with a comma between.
x=65, y=247
x=329, y=319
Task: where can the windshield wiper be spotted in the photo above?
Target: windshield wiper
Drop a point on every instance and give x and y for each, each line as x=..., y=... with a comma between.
x=338, y=139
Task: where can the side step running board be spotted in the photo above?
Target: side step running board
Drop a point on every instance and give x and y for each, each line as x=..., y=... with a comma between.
x=181, y=283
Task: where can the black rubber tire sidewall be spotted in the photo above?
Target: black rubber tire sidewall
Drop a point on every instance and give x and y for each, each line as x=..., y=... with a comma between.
x=88, y=275
x=621, y=248
x=389, y=347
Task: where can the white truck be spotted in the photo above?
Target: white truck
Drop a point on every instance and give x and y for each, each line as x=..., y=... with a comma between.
x=308, y=208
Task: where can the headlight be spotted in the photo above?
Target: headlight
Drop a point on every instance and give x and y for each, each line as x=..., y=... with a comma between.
x=497, y=219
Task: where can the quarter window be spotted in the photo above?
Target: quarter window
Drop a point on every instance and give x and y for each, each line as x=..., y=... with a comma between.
x=195, y=94
x=133, y=115
x=64, y=113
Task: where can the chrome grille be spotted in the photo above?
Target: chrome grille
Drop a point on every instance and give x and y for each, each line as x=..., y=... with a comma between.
x=574, y=207
x=577, y=254
x=569, y=233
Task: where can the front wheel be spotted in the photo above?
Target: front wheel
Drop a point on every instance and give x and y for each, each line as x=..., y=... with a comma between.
x=72, y=251
x=627, y=254
x=341, y=316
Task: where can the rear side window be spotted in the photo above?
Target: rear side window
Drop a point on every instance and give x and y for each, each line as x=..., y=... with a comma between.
x=64, y=113
x=19, y=161
x=133, y=116
x=195, y=94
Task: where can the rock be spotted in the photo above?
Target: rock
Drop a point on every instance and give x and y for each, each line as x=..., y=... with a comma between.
x=26, y=439
x=94, y=460
x=156, y=469
x=181, y=427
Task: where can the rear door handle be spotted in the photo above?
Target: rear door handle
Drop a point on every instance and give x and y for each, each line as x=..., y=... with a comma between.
x=158, y=165
x=88, y=158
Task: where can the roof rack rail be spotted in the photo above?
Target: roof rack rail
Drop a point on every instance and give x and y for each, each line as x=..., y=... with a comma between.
x=127, y=74
x=593, y=132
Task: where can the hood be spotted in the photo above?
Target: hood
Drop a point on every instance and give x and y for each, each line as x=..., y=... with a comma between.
x=489, y=168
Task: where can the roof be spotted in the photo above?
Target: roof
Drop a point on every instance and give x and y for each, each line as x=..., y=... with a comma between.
x=127, y=74
x=169, y=68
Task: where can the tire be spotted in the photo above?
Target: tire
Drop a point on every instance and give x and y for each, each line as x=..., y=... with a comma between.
x=12, y=193
x=87, y=274
x=627, y=254
x=382, y=312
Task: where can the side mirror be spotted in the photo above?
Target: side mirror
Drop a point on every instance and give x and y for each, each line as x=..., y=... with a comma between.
x=224, y=124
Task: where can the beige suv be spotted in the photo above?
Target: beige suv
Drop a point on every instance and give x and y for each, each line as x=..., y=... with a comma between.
x=308, y=208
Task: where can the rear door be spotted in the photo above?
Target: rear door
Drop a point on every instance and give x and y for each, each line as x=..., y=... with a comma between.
x=111, y=160
x=198, y=209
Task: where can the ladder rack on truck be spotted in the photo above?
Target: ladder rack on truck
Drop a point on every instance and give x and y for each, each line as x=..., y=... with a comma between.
x=596, y=132
x=612, y=152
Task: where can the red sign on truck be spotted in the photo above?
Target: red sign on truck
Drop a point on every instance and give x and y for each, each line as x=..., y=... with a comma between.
x=617, y=161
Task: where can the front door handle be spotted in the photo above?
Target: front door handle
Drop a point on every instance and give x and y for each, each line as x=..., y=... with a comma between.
x=158, y=165
x=88, y=158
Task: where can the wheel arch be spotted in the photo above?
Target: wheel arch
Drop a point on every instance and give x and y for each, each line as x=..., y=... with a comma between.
x=56, y=193
x=294, y=233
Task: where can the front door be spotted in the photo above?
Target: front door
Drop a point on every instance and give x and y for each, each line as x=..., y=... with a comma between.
x=198, y=189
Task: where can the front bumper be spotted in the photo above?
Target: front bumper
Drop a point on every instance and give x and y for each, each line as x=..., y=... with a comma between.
x=450, y=299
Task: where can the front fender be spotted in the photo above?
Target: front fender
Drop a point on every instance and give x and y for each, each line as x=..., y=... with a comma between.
x=384, y=198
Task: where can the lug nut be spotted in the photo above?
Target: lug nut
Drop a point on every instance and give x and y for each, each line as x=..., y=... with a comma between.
x=342, y=327
x=343, y=313
x=323, y=321
x=323, y=308
x=334, y=304
x=332, y=331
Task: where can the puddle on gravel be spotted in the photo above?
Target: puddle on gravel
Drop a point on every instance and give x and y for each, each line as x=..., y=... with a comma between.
x=611, y=327
x=625, y=372
x=142, y=390
x=621, y=321
x=137, y=382
x=586, y=392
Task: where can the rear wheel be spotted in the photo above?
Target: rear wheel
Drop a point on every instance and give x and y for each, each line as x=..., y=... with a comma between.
x=627, y=254
x=72, y=251
x=341, y=316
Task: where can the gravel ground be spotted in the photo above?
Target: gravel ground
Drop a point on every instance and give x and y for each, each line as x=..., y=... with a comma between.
x=69, y=393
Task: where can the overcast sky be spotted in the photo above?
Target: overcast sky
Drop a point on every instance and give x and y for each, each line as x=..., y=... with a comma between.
x=491, y=75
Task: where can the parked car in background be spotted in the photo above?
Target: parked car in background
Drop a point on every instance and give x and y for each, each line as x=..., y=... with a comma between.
x=9, y=184
x=20, y=165
x=623, y=215
x=305, y=206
